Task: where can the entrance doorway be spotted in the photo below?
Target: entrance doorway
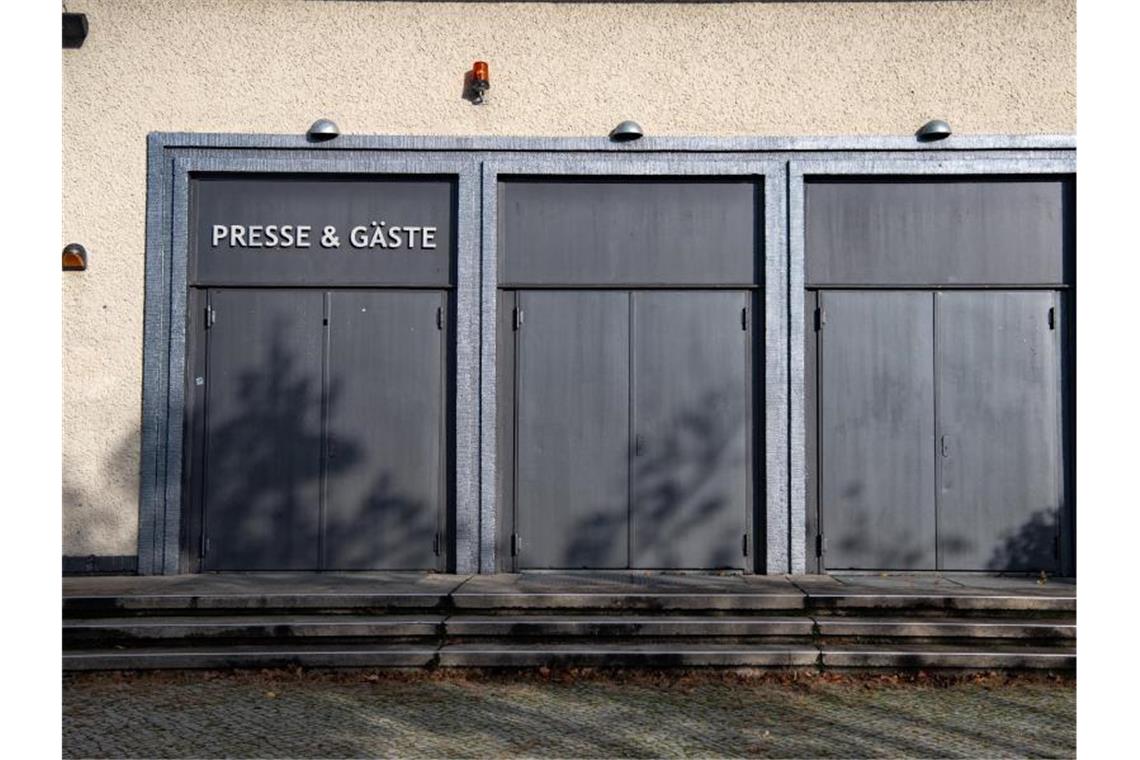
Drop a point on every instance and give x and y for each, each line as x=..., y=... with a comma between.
x=940, y=429
x=324, y=430
x=632, y=428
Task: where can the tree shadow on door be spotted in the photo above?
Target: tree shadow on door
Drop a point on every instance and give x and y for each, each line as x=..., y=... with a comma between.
x=263, y=465
x=676, y=491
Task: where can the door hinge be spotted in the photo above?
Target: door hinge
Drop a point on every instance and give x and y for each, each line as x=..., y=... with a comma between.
x=435, y=544
x=1052, y=317
x=744, y=319
x=820, y=318
x=439, y=318
x=745, y=545
x=516, y=544
x=211, y=317
x=206, y=547
x=518, y=318
x=819, y=544
x=1056, y=546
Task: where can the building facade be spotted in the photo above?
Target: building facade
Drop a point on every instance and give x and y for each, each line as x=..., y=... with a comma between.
x=777, y=332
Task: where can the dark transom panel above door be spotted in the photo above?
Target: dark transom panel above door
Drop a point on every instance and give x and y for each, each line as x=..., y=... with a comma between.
x=630, y=231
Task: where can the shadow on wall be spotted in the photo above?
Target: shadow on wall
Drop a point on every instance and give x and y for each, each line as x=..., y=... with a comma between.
x=92, y=520
x=679, y=488
x=1028, y=549
x=263, y=485
x=1031, y=548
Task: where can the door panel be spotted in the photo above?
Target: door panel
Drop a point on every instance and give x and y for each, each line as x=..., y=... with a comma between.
x=690, y=467
x=572, y=458
x=876, y=430
x=263, y=430
x=999, y=418
x=385, y=430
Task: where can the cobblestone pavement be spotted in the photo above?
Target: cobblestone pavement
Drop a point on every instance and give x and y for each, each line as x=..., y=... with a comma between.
x=285, y=714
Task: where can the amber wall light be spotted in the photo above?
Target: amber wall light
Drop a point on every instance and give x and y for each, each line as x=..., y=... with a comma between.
x=74, y=258
x=480, y=81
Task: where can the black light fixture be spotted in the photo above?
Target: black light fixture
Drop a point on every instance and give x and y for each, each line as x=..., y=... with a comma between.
x=74, y=30
x=322, y=130
x=627, y=131
x=935, y=129
x=74, y=258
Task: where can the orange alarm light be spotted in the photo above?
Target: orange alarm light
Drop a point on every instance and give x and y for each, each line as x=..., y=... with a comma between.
x=480, y=72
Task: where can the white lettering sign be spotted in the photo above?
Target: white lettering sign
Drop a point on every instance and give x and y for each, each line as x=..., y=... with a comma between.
x=367, y=236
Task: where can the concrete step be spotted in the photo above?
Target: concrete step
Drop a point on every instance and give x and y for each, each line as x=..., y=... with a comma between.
x=635, y=601
x=1061, y=630
x=620, y=626
x=267, y=625
x=864, y=602
x=196, y=628
x=928, y=656
x=273, y=656
x=660, y=655
x=528, y=655
x=142, y=603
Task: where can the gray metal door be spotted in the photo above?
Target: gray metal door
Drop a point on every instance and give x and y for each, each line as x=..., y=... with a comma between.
x=263, y=430
x=572, y=457
x=999, y=422
x=690, y=419
x=385, y=430
x=876, y=430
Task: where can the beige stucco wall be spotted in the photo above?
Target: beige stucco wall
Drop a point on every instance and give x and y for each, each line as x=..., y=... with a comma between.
x=990, y=66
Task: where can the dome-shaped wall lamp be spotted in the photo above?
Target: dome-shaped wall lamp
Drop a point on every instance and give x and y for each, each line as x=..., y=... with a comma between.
x=323, y=130
x=935, y=129
x=74, y=258
x=626, y=131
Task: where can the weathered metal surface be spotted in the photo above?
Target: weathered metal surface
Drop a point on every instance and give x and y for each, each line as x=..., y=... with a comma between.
x=572, y=436
x=628, y=231
x=876, y=418
x=935, y=231
x=690, y=468
x=384, y=451
x=263, y=430
x=999, y=428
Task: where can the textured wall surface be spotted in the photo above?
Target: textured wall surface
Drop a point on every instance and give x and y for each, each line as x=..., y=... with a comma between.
x=998, y=66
